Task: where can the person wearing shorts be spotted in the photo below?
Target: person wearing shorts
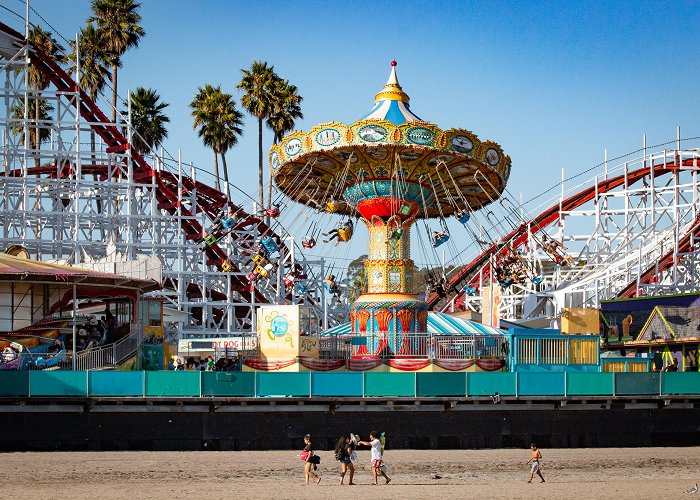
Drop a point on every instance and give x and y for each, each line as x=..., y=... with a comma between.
x=343, y=451
x=376, y=445
x=535, y=463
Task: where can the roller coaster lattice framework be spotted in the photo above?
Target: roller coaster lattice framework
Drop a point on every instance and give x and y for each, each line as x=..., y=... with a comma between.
x=631, y=231
x=84, y=189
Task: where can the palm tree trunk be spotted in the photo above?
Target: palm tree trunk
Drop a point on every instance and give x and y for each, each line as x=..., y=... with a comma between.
x=223, y=163
x=114, y=93
x=216, y=170
x=260, y=166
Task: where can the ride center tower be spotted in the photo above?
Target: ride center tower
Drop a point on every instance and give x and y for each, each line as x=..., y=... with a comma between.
x=389, y=169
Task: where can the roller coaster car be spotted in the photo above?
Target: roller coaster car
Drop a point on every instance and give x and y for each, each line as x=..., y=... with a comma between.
x=301, y=288
x=269, y=244
x=226, y=266
x=537, y=280
x=308, y=243
x=470, y=290
x=288, y=280
x=261, y=271
x=344, y=234
x=228, y=222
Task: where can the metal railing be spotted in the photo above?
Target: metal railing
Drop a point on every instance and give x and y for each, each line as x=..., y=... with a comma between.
x=414, y=345
x=108, y=355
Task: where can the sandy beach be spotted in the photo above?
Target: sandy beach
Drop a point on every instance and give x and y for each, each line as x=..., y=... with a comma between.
x=584, y=473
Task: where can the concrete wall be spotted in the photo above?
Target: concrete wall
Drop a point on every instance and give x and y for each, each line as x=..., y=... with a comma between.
x=280, y=424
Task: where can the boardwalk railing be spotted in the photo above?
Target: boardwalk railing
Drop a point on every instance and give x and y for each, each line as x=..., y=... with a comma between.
x=413, y=345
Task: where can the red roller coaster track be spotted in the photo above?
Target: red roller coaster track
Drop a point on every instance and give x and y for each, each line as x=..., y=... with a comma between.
x=469, y=273
x=165, y=183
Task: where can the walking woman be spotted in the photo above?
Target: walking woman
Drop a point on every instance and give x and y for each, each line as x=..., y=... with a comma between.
x=307, y=455
x=343, y=450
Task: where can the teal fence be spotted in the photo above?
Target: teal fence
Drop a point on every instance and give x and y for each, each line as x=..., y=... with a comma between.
x=361, y=384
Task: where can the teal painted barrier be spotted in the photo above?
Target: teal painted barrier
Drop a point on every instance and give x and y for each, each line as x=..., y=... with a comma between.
x=177, y=384
x=240, y=384
x=590, y=384
x=637, y=383
x=282, y=384
x=390, y=384
x=487, y=384
x=115, y=383
x=680, y=383
x=441, y=384
x=58, y=383
x=14, y=383
x=541, y=384
x=337, y=384
x=371, y=384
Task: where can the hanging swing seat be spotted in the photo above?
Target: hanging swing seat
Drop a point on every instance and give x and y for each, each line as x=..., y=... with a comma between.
x=209, y=238
x=273, y=212
x=308, y=243
x=440, y=238
x=463, y=217
x=228, y=222
x=258, y=259
x=344, y=233
x=396, y=235
x=332, y=207
x=269, y=244
x=405, y=209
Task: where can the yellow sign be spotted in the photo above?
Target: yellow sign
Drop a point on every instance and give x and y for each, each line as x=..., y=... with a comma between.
x=278, y=331
x=580, y=320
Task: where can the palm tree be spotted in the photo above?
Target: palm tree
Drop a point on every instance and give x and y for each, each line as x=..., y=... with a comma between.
x=118, y=27
x=258, y=84
x=44, y=114
x=44, y=41
x=219, y=122
x=287, y=111
x=147, y=119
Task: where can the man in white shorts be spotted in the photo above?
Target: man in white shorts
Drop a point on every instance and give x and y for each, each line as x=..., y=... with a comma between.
x=376, y=445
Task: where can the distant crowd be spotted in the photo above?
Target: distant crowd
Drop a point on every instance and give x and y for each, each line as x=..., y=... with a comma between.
x=205, y=364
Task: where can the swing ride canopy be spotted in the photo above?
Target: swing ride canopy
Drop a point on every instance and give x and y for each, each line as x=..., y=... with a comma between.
x=390, y=163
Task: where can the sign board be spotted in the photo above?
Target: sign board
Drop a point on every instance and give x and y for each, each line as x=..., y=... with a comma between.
x=221, y=344
x=490, y=305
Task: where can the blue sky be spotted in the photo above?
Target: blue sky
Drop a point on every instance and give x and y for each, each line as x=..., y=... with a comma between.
x=555, y=83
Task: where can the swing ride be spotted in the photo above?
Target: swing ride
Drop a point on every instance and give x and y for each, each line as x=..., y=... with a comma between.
x=389, y=170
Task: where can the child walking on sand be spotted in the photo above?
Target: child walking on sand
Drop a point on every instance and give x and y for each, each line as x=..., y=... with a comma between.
x=307, y=455
x=535, y=459
x=376, y=445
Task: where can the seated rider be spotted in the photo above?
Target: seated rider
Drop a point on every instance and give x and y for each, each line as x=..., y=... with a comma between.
x=308, y=242
x=346, y=230
x=332, y=286
x=462, y=216
x=440, y=237
x=273, y=211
